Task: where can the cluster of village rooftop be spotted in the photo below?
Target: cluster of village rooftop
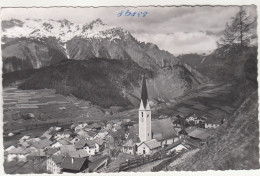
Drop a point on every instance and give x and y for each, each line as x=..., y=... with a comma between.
x=86, y=147
x=81, y=142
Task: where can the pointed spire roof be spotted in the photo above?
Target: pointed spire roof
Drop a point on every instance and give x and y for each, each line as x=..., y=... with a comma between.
x=144, y=94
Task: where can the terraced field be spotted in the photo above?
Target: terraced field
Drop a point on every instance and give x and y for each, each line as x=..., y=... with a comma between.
x=211, y=100
x=46, y=108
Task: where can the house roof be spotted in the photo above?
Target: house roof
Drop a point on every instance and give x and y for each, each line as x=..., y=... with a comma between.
x=174, y=144
x=190, y=129
x=41, y=144
x=99, y=141
x=129, y=143
x=25, y=144
x=92, y=133
x=73, y=163
x=51, y=151
x=46, y=136
x=117, y=134
x=53, y=133
x=95, y=125
x=152, y=144
x=201, y=133
x=19, y=150
x=39, y=152
x=133, y=134
x=78, y=154
x=162, y=129
x=64, y=142
x=67, y=148
x=80, y=144
x=95, y=163
x=90, y=143
x=57, y=159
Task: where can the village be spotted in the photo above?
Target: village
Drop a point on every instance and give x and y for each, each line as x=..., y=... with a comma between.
x=114, y=145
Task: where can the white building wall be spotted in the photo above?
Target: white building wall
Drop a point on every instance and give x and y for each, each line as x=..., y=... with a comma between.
x=144, y=123
x=142, y=148
x=96, y=147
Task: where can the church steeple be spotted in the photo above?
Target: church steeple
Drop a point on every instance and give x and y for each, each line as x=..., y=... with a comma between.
x=145, y=133
x=144, y=95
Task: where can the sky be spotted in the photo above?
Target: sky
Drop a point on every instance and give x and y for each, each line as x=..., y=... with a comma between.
x=179, y=30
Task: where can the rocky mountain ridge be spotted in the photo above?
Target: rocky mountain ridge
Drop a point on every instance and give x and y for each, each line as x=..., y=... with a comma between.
x=28, y=41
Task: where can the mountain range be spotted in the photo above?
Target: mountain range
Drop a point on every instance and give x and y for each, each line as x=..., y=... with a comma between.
x=34, y=46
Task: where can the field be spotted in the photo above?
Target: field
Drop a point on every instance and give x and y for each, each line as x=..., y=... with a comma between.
x=211, y=100
x=45, y=108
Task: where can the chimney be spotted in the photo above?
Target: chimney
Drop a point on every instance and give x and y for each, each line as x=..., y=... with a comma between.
x=72, y=160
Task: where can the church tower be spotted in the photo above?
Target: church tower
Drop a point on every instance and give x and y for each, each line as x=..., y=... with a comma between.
x=145, y=133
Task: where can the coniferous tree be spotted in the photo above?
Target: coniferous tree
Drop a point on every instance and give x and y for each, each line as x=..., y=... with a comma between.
x=238, y=31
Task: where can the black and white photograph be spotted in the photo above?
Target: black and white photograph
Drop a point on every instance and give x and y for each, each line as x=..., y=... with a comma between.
x=129, y=89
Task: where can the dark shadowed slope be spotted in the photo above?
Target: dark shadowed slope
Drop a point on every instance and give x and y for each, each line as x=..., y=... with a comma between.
x=106, y=82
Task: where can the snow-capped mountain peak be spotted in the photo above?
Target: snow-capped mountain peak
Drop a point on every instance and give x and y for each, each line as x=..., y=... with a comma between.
x=63, y=30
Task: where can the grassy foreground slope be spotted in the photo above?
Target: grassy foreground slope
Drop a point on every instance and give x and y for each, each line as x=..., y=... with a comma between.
x=235, y=145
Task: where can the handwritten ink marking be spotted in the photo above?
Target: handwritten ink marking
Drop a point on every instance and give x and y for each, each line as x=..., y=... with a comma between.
x=128, y=13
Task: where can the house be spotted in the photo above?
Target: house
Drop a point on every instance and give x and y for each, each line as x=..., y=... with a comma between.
x=126, y=125
x=191, y=118
x=200, y=134
x=163, y=132
x=100, y=144
x=148, y=147
x=96, y=126
x=176, y=123
x=176, y=147
x=20, y=154
x=83, y=133
x=92, y=135
x=97, y=164
x=24, y=138
x=38, y=153
x=59, y=143
x=200, y=120
x=34, y=139
x=80, y=144
x=91, y=147
x=53, y=164
x=129, y=147
x=212, y=123
x=25, y=144
x=9, y=148
x=115, y=137
x=76, y=139
x=67, y=148
x=109, y=125
x=74, y=165
x=116, y=128
x=80, y=126
x=101, y=134
x=47, y=136
x=78, y=154
x=190, y=129
x=52, y=151
x=62, y=135
x=42, y=144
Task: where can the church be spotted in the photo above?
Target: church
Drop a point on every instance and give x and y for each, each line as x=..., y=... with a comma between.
x=147, y=137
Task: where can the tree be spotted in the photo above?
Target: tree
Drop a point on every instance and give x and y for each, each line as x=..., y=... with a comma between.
x=238, y=32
